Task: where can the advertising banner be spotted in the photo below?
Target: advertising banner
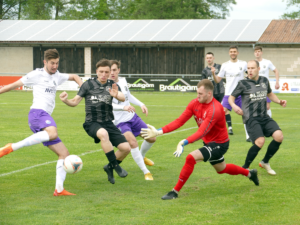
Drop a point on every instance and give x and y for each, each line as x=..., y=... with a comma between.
x=286, y=85
x=5, y=80
x=163, y=84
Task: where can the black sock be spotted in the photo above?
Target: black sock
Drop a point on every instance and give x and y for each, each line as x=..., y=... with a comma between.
x=228, y=120
x=111, y=157
x=272, y=149
x=252, y=153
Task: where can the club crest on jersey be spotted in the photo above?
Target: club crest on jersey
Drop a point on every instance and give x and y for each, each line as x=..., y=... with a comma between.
x=241, y=68
x=204, y=115
x=217, y=71
x=263, y=85
x=264, y=66
x=54, y=83
x=106, y=88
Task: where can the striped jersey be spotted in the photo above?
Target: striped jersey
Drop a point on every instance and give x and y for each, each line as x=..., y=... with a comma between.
x=265, y=66
x=206, y=74
x=254, y=97
x=210, y=119
x=98, y=101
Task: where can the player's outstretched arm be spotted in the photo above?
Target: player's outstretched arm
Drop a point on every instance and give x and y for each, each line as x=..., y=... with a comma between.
x=76, y=78
x=70, y=102
x=275, y=99
x=180, y=148
x=11, y=86
x=150, y=132
x=135, y=101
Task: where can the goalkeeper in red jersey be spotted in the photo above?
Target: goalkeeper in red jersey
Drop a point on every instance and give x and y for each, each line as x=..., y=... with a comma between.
x=210, y=118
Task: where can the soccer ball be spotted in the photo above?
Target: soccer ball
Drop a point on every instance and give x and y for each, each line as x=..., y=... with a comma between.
x=72, y=164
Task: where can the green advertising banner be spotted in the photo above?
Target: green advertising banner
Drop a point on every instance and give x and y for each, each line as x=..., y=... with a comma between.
x=163, y=84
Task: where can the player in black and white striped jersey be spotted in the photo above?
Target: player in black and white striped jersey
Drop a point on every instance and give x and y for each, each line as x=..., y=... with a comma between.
x=254, y=91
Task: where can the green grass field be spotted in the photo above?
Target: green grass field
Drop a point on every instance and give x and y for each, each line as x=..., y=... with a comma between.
x=27, y=176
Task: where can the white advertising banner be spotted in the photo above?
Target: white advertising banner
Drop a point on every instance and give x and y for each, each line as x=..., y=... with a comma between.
x=66, y=86
x=286, y=85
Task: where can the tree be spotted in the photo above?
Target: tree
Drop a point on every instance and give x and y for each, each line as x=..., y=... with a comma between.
x=292, y=15
x=175, y=9
x=8, y=9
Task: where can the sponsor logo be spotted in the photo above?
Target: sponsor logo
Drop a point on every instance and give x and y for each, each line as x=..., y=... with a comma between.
x=100, y=98
x=141, y=83
x=50, y=90
x=285, y=87
x=48, y=122
x=259, y=95
x=295, y=89
x=172, y=87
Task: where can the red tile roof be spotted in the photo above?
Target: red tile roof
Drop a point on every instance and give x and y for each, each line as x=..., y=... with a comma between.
x=281, y=31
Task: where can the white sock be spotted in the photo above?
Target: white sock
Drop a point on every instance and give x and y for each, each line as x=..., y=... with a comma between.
x=269, y=112
x=60, y=175
x=34, y=139
x=145, y=147
x=139, y=159
x=247, y=135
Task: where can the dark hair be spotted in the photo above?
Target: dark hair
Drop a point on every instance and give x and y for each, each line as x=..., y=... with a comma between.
x=207, y=84
x=103, y=63
x=210, y=53
x=258, y=48
x=233, y=46
x=257, y=63
x=51, y=54
x=114, y=61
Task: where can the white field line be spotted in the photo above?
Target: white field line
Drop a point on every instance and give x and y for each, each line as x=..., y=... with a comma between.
x=86, y=153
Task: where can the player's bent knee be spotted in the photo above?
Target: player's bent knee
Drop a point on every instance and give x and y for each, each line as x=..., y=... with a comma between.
x=124, y=147
x=151, y=140
x=278, y=136
x=260, y=142
x=102, y=134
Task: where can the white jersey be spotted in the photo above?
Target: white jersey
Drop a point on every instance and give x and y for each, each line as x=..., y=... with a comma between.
x=120, y=115
x=44, y=88
x=233, y=72
x=265, y=65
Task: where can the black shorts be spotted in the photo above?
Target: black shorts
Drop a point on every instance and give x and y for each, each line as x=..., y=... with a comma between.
x=114, y=134
x=261, y=127
x=219, y=97
x=214, y=152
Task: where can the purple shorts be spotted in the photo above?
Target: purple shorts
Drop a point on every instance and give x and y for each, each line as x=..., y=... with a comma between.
x=39, y=119
x=225, y=103
x=268, y=100
x=134, y=125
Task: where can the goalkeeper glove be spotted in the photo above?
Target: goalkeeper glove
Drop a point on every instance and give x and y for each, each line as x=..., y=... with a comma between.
x=180, y=147
x=150, y=132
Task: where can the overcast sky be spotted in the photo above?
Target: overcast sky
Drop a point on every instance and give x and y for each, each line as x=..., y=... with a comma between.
x=259, y=9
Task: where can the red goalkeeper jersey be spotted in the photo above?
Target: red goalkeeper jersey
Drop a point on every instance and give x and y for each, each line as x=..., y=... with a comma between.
x=210, y=119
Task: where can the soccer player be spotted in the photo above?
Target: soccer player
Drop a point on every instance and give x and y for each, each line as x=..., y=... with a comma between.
x=254, y=91
x=98, y=93
x=210, y=118
x=45, y=82
x=207, y=74
x=129, y=123
x=233, y=71
x=266, y=65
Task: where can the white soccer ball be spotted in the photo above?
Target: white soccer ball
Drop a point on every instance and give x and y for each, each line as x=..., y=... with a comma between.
x=72, y=164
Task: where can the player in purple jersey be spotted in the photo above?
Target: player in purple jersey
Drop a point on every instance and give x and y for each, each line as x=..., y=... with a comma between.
x=44, y=82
